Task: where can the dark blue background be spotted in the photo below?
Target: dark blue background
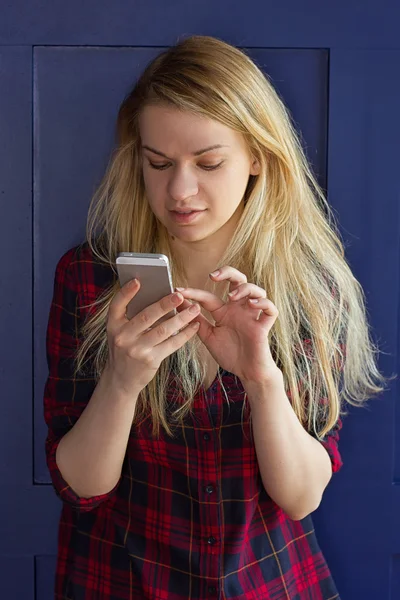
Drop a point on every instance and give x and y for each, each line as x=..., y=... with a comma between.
x=64, y=69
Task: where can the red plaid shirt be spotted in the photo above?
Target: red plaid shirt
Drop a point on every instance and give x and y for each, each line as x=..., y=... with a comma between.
x=189, y=517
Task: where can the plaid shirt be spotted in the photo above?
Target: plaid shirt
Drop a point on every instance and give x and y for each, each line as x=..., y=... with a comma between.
x=189, y=517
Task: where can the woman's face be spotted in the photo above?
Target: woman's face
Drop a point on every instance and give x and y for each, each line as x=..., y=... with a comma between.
x=193, y=162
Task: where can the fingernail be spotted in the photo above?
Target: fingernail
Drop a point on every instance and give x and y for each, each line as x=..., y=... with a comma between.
x=215, y=273
x=233, y=293
x=179, y=289
x=133, y=282
x=253, y=300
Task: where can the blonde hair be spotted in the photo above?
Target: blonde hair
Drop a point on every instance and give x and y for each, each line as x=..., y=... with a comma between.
x=286, y=241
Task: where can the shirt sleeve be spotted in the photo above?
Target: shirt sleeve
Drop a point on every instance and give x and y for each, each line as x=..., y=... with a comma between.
x=65, y=396
x=331, y=444
x=331, y=439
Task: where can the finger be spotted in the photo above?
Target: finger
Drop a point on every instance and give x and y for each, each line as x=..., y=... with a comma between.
x=205, y=325
x=161, y=332
x=247, y=289
x=175, y=342
x=207, y=300
x=185, y=304
x=117, y=309
x=267, y=308
x=146, y=318
x=234, y=276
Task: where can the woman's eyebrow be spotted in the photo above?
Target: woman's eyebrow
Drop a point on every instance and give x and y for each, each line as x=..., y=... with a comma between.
x=197, y=153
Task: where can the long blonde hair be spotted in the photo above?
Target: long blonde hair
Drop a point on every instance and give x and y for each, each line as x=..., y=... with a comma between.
x=286, y=241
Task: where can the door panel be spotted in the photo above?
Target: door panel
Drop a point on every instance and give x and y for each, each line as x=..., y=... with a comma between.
x=71, y=150
x=71, y=82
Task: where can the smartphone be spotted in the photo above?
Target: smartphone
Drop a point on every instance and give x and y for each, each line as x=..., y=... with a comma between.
x=153, y=272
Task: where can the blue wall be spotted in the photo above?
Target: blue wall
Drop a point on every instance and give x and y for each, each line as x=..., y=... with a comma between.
x=64, y=68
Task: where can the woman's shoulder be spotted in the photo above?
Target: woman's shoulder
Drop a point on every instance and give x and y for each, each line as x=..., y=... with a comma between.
x=73, y=256
x=83, y=272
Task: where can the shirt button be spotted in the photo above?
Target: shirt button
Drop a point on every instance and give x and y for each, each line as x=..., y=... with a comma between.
x=206, y=437
x=211, y=540
x=212, y=589
x=209, y=489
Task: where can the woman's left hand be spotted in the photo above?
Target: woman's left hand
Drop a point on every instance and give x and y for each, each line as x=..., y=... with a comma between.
x=238, y=340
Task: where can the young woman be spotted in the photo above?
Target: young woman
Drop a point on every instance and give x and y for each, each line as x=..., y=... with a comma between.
x=189, y=464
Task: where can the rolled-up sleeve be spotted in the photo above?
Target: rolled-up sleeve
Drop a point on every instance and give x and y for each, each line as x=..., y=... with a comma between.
x=331, y=444
x=331, y=439
x=65, y=395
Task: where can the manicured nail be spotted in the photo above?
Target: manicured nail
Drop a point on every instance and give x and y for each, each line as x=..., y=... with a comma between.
x=253, y=300
x=215, y=273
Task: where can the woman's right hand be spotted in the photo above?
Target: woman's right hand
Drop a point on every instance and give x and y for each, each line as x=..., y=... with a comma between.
x=135, y=353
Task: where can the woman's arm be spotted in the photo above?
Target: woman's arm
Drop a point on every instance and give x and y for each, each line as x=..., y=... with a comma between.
x=295, y=468
x=88, y=424
x=91, y=454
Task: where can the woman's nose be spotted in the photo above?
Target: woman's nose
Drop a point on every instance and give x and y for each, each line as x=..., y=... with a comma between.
x=183, y=184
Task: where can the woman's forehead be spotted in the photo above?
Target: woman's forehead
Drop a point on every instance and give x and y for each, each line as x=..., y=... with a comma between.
x=170, y=130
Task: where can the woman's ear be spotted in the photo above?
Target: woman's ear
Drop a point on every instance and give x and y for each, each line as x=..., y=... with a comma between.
x=255, y=167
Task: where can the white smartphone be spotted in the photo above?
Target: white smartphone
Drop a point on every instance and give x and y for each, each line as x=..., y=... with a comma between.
x=154, y=274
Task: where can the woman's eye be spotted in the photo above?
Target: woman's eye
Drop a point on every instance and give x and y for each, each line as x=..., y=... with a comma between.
x=211, y=167
x=161, y=167
x=158, y=167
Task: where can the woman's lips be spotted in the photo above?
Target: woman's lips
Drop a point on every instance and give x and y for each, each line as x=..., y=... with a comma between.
x=185, y=217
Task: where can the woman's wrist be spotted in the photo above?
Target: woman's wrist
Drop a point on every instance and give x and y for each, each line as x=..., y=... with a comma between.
x=111, y=383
